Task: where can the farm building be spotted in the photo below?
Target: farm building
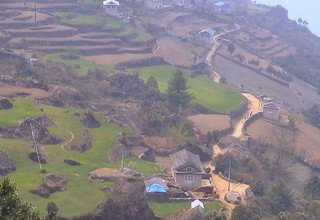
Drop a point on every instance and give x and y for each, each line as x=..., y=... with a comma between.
x=206, y=35
x=154, y=4
x=186, y=169
x=271, y=109
x=198, y=205
x=111, y=7
x=221, y=7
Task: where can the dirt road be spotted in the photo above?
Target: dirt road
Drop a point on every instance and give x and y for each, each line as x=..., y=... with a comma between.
x=255, y=108
x=215, y=45
x=221, y=183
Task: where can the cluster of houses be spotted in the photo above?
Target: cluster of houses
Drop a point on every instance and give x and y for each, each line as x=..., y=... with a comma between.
x=112, y=7
x=187, y=172
x=201, y=5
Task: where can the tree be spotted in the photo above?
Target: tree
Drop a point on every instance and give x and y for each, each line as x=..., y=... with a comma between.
x=231, y=49
x=221, y=162
x=52, y=210
x=279, y=198
x=312, y=187
x=218, y=215
x=300, y=20
x=152, y=82
x=11, y=206
x=257, y=188
x=246, y=212
x=177, y=96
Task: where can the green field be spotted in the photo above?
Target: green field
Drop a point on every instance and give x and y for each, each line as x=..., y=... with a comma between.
x=79, y=65
x=213, y=96
x=22, y=108
x=166, y=209
x=82, y=196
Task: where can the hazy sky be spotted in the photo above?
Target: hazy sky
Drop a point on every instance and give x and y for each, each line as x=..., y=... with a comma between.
x=308, y=10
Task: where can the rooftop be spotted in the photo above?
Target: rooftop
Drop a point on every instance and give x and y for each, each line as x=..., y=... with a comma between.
x=196, y=203
x=220, y=4
x=185, y=158
x=110, y=2
x=207, y=31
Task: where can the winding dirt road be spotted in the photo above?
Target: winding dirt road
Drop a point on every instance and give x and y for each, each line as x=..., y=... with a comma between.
x=215, y=45
x=255, y=108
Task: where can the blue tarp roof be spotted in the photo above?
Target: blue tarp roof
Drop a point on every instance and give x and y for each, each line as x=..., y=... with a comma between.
x=156, y=188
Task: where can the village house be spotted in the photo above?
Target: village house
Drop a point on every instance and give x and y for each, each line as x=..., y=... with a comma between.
x=221, y=7
x=197, y=205
x=206, y=35
x=111, y=7
x=154, y=4
x=186, y=168
x=271, y=108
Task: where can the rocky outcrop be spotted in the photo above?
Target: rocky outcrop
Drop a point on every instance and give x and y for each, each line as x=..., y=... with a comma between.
x=72, y=162
x=126, y=202
x=52, y=183
x=89, y=121
x=6, y=164
x=85, y=143
x=42, y=158
x=41, y=133
x=5, y=104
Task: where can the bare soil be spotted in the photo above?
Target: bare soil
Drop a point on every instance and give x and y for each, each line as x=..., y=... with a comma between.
x=174, y=53
x=208, y=123
x=16, y=90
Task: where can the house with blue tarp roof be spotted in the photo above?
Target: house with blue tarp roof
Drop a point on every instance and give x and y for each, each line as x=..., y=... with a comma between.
x=156, y=185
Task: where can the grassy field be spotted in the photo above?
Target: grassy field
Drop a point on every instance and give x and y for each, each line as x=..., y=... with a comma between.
x=79, y=65
x=214, y=96
x=81, y=196
x=22, y=108
x=166, y=209
x=88, y=20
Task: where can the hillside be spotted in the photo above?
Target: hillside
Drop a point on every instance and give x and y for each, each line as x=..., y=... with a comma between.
x=93, y=107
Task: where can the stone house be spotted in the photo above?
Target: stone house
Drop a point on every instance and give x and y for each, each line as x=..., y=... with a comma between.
x=111, y=7
x=206, y=35
x=186, y=168
x=271, y=109
x=221, y=7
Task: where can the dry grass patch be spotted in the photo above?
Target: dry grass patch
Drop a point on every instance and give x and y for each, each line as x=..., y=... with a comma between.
x=114, y=59
x=174, y=53
x=208, y=123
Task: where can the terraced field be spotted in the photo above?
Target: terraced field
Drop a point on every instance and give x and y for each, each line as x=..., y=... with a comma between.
x=62, y=26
